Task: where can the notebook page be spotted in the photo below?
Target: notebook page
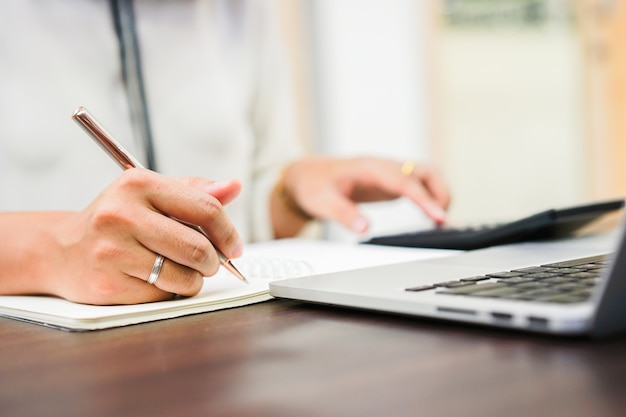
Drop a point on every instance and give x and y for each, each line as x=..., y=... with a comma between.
x=261, y=264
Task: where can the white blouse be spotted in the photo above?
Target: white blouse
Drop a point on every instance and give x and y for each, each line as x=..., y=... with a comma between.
x=217, y=89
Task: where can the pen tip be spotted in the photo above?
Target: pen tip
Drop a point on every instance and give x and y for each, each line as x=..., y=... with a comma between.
x=78, y=111
x=228, y=264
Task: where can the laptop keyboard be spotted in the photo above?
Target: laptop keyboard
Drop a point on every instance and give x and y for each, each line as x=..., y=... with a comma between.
x=562, y=282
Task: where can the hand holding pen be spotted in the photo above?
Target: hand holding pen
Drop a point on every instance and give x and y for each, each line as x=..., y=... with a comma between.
x=173, y=221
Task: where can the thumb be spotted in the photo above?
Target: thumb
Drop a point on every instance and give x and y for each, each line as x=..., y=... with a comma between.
x=224, y=191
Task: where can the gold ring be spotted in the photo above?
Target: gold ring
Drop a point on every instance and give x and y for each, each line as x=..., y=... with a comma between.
x=407, y=168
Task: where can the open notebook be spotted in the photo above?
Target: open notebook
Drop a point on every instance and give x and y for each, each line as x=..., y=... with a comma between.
x=262, y=263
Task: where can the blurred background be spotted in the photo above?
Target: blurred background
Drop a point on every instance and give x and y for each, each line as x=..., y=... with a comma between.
x=520, y=103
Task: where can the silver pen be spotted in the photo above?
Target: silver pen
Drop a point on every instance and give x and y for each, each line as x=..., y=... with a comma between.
x=126, y=161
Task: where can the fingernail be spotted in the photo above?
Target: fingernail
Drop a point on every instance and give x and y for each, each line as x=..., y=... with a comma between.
x=438, y=213
x=359, y=224
x=238, y=249
x=216, y=185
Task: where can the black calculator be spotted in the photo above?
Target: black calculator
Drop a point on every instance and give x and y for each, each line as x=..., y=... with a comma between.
x=549, y=224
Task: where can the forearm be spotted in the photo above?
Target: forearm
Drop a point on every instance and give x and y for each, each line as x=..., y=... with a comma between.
x=29, y=252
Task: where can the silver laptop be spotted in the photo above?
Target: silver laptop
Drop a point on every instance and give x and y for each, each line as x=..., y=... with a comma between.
x=568, y=287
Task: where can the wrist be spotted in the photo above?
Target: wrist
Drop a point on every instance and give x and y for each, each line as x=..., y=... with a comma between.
x=287, y=200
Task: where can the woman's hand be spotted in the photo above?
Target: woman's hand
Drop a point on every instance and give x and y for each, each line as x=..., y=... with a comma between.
x=330, y=188
x=104, y=254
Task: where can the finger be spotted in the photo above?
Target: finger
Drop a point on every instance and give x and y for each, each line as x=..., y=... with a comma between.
x=177, y=242
x=393, y=182
x=435, y=185
x=389, y=179
x=191, y=205
x=224, y=191
x=422, y=186
x=179, y=279
x=339, y=208
x=419, y=195
x=134, y=291
x=173, y=278
x=119, y=288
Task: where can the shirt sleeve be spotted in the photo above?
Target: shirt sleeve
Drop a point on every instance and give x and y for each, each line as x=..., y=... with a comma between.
x=273, y=118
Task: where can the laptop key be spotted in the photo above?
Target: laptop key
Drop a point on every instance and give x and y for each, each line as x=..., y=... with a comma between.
x=576, y=262
x=567, y=298
x=420, y=288
x=533, y=285
x=595, y=267
x=475, y=279
x=561, y=282
x=470, y=289
x=564, y=271
x=505, y=274
x=542, y=275
x=570, y=286
x=501, y=292
x=542, y=294
x=579, y=275
x=534, y=269
x=517, y=280
x=453, y=284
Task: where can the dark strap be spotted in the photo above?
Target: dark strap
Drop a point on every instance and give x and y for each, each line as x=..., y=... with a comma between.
x=124, y=21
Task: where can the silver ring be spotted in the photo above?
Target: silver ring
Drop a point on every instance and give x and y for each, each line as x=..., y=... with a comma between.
x=156, y=269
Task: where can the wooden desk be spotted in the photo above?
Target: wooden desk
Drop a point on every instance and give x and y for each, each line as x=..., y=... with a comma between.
x=282, y=358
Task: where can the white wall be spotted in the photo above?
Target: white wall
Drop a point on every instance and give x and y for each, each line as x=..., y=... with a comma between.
x=513, y=126
x=370, y=83
x=508, y=105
